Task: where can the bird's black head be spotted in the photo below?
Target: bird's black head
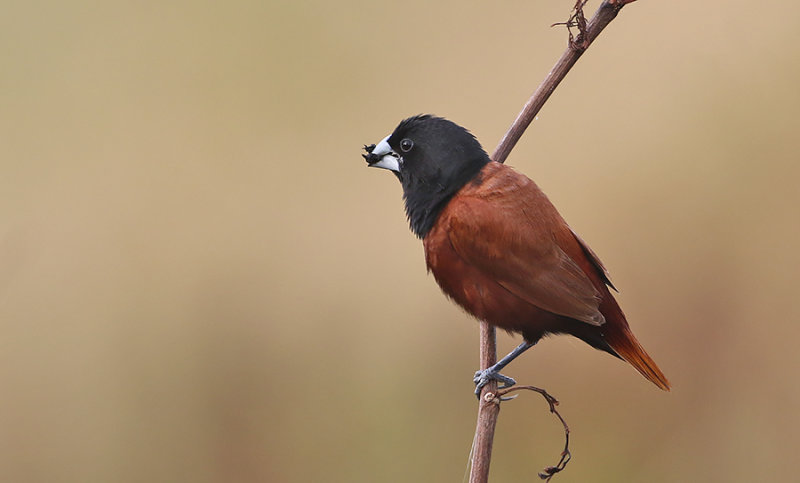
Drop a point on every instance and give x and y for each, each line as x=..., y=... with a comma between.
x=433, y=158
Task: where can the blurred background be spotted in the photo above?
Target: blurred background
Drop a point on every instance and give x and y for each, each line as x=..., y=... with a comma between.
x=201, y=281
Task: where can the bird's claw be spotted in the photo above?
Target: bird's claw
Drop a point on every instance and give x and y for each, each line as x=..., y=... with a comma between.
x=483, y=377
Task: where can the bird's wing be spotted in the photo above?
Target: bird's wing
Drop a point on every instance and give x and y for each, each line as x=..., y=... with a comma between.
x=595, y=261
x=512, y=238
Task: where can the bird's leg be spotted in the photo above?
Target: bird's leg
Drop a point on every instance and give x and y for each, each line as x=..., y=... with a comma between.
x=483, y=377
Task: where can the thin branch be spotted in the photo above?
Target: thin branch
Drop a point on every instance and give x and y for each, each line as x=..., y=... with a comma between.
x=489, y=406
x=488, y=409
x=605, y=13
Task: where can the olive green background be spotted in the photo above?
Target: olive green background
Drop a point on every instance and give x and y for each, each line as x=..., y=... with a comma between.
x=200, y=280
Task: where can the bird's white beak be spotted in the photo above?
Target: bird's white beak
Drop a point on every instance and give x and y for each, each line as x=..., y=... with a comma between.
x=382, y=156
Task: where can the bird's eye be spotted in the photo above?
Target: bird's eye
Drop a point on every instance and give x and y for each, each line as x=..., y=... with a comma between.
x=406, y=145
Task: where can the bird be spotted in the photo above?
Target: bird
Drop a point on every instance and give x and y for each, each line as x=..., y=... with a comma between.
x=498, y=248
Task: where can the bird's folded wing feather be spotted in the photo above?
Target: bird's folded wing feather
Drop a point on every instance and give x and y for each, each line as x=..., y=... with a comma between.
x=517, y=247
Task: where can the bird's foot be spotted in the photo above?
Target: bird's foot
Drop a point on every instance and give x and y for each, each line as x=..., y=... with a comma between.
x=483, y=377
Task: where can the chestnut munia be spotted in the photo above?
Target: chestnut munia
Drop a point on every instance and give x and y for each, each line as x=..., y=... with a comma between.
x=498, y=247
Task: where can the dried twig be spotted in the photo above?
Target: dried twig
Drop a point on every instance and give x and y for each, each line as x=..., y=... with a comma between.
x=489, y=407
x=577, y=19
x=547, y=473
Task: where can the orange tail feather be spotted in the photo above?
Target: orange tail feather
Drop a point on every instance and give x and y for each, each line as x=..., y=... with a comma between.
x=625, y=344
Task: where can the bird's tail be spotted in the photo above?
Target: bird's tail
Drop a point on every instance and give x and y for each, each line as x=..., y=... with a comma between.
x=625, y=344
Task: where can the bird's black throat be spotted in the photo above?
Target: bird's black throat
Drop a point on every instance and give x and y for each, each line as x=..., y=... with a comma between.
x=425, y=197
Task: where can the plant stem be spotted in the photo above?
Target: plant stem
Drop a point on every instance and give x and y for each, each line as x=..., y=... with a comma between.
x=489, y=406
x=605, y=13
